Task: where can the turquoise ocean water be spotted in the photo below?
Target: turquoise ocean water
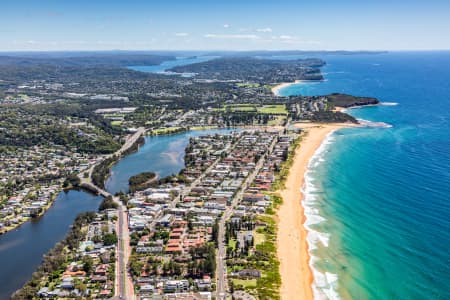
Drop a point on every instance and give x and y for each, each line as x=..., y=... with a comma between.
x=378, y=199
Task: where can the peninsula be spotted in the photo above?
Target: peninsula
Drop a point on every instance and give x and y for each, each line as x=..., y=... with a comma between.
x=219, y=227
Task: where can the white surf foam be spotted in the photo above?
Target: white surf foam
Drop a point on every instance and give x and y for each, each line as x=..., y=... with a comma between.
x=315, y=237
x=325, y=286
x=389, y=103
x=331, y=278
x=313, y=220
x=325, y=283
x=368, y=123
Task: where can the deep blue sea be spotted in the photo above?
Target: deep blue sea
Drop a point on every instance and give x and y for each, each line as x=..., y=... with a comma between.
x=378, y=199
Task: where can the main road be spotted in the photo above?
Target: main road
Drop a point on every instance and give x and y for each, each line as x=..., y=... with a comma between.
x=124, y=287
x=130, y=140
x=186, y=190
x=221, y=281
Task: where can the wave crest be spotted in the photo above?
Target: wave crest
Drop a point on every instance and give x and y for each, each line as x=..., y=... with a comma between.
x=367, y=123
x=325, y=283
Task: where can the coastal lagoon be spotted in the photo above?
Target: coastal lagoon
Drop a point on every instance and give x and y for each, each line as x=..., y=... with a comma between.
x=21, y=250
x=377, y=199
x=180, y=61
x=377, y=204
x=163, y=155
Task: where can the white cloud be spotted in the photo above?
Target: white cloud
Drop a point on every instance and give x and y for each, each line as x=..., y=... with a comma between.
x=232, y=36
x=267, y=29
x=287, y=37
x=181, y=34
x=226, y=25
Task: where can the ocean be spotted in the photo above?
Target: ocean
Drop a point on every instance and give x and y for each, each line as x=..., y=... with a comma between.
x=378, y=199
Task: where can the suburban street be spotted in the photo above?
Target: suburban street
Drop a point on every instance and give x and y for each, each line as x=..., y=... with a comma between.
x=124, y=287
x=222, y=283
x=193, y=184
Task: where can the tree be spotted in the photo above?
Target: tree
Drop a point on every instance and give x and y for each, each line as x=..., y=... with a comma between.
x=80, y=286
x=107, y=203
x=231, y=287
x=134, y=238
x=215, y=232
x=87, y=264
x=109, y=239
x=71, y=180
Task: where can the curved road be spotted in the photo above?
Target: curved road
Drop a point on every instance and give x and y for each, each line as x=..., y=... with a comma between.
x=124, y=286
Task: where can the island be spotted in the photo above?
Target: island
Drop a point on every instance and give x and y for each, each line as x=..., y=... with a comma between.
x=141, y=181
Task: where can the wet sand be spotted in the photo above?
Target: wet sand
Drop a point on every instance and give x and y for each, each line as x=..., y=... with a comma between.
x=276, y=89
x=292, y=246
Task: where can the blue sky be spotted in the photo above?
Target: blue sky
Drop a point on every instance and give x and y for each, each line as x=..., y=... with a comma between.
x=224, y=25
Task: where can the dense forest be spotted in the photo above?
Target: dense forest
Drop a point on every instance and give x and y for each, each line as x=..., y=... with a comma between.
x=51, y=125
x=94, y=59
x=255, y=70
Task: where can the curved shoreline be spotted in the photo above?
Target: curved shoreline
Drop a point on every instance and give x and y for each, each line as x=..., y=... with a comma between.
x=279, y=86
x=276, y=88
x=292, y=244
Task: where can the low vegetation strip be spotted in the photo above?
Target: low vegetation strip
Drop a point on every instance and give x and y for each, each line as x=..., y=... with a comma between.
x=167, y=130
x=269, y=109
x=268, y=286
x=286, y=166
x=266, y=283
x=102, y=170
x=141, y=181
x=55, y=260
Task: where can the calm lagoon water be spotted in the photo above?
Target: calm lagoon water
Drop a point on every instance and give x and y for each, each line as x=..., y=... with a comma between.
x=163, y=155
x=180, y=61
x=21, y=250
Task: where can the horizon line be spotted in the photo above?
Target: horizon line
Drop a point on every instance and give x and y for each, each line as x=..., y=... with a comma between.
x=223, y=50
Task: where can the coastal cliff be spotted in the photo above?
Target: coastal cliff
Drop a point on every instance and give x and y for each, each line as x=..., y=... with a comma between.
x=346, y=101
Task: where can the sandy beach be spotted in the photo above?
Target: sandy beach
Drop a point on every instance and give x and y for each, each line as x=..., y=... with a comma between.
x=292, y=247
x=275, y=89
